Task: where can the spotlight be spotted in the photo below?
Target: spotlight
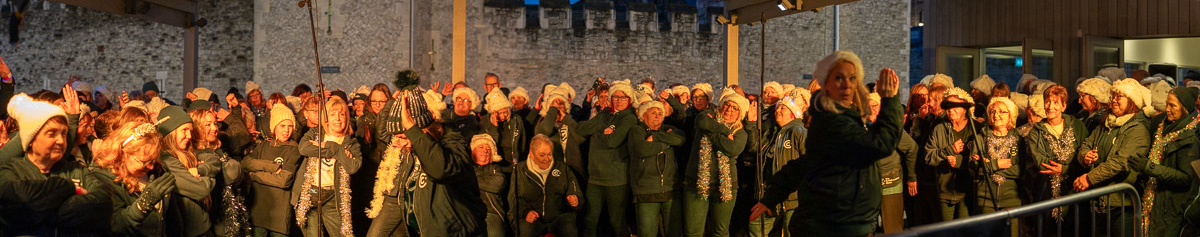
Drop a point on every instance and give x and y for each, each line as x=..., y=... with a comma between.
x=920, y=23
x=785, y=5
x=721, y=19
x=781, y=7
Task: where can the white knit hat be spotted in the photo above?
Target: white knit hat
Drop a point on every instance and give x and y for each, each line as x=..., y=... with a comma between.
x=1038, y=105
x=363, y=90
x=108, y=93
x=31, y=116
x=433, y=101
x=549, y=100
x=567, y=88
x=623, y=88
x=679, y=89
x=961, y=94
x=742, y=103
x=280, y=113
x=822, y=71
x=1137, y=93
x=1158, y=97
x=1012, y=109
x=519, y=92
x=202, y=93
x=941, y=79
x=704, y=87
x=1096, y=87
x=136, y=104
x=984, y=84
x=787, y=89
x=641, y=111
x=801, y=93
x=1021, y=100
x=1024, y=83
x=251, y=86
x=496, y=101
x=485, y=140
x=1040, y=85
x=927, y=80
x=1112, y=74
x=82, y=86
x=470, y=94
x=155, y=105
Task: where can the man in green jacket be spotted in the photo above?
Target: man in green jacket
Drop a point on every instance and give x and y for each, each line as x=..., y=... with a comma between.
x=652, y=168
x=608, y=158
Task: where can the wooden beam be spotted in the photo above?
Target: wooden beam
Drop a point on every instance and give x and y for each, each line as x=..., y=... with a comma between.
x=188, y=6
x=731, y=54
x=459, y=42
x=158, y=13
x=750, y=11
x=191, y=43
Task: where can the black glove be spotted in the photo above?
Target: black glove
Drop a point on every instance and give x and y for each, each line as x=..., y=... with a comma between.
x=154, y=193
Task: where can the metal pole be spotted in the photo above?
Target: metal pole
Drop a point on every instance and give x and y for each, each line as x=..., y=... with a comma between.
x=837, y=21
x=412, y=36
x=762, y=67
x=320, y=102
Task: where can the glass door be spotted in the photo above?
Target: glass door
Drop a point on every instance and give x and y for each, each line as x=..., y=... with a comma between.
x=1102, y=52
x=1038, y=56
x=962, y=64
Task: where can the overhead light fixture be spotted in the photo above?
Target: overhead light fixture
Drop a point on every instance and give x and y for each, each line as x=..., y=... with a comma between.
x=785, y=5
x=920, y=23
x=721, y=19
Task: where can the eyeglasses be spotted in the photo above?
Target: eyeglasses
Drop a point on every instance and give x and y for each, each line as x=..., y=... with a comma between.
x=378, y=102
x=462, y=100
x=143, y=162
x=492, y=84
x=620, y=97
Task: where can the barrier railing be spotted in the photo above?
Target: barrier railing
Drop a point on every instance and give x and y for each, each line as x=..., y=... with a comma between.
x=1081, y=203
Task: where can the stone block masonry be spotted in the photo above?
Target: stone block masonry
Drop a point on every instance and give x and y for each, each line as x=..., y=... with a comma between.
x=122, y=52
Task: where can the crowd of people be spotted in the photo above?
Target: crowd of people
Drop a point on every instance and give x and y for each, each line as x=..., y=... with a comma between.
x=835, y=158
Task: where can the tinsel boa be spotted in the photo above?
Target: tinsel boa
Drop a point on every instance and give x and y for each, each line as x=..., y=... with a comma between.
x=724, y=167
x=312, y=167
x=384, y=179
x=1156, y=155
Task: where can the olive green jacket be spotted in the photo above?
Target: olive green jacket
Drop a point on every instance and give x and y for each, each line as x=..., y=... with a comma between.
x=608, y=156
x=1117, y=144
x=1176, y=181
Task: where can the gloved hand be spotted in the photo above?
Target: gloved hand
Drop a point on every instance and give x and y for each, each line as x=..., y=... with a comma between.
x=152, y=194
x=232, y=170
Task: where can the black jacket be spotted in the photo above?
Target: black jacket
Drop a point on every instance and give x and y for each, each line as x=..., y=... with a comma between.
x=493, y=182
x=570, y=152
x=548, y=199
x=652, y=167
x=32, y=203
x=272, y=169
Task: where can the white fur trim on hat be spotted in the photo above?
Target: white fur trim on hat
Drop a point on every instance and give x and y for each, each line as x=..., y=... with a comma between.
x=519, y=92
x=1097, y=88
x=1158, y=97
x=623, y=88
x=961, y=94
x=433, y=101
x=470, y=94
x=983, y=84
x=1021, y=100
x=251, y=86
x=801, y=93
x=742, y=103
x=1137, y=93
x=1041, y=85
x=1112, y=74
x=546, y=102
x=202, y=93
x=704, y=87
x=787, y=89
x=280, y=113
x=1037, y=105
x=641, y=111
x=1012, y=109
x=773, y=85
x=497, y=101
x=822, y=72
x=485, y=140
x=31, y=115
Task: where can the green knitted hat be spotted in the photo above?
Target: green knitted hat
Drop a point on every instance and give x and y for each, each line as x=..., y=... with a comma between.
x=171, y=118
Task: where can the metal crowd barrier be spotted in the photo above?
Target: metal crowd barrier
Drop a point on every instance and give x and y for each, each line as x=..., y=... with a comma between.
x=1080, y=202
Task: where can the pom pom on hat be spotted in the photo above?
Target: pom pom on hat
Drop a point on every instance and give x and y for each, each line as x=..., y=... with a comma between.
x=984, y=84
x=1097, y=88
x=485, y=140
x=280, y=113
x=433, y=101
x=470, y=94
x=31, y=115
x=496, y=101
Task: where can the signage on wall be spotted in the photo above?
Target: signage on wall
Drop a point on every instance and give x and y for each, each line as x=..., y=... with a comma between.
x=331, y=69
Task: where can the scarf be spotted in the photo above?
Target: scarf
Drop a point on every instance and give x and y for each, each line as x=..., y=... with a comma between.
x=309, y=188
x=539, y=172
x=1063, y=149
x=1156, y=154
x=724, y=164
x=386, y=177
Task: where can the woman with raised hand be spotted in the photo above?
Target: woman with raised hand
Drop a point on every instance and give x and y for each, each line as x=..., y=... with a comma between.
x=839, y=182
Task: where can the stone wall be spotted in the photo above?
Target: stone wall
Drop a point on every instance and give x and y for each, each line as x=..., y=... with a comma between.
x=123, y=52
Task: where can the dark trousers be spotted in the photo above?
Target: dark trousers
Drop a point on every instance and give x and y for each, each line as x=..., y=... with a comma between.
x=495, y=225
x=264, y=232
x=562, y=225
x=330, y=219
x=391, y=220
x=711, y=214
x=648, y=215
x=613, y=199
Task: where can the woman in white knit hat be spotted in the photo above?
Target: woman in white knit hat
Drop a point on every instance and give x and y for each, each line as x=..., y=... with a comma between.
x=1094, y=96
x=710, y=176
x=1107, y=152
x=271, y=166
x=998, y=162
x=462, y=118
x=608, y=156
x=493, y=178
x=505, y=127
x=844, y=161
x=652, y=168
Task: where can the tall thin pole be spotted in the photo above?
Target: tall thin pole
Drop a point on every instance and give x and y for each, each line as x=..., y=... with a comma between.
x=320, y=102
x=762, y=72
